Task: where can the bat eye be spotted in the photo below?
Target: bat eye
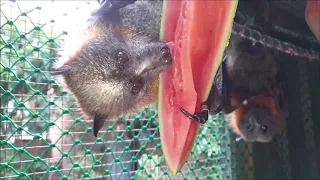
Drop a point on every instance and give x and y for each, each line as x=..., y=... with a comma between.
x=264, y=129
x=121, y=57
x=250, y=128
x=137, y=85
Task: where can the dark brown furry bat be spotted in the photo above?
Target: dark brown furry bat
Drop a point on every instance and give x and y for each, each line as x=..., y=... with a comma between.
x=112, y=66
x=247, y=90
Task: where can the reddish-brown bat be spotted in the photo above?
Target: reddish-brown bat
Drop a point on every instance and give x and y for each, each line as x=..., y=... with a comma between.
x=247, y=90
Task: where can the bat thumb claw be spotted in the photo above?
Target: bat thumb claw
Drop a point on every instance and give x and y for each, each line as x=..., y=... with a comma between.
x=238, y=138
x=186, y=113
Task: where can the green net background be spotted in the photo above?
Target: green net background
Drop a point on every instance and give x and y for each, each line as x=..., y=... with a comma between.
x=42, y=134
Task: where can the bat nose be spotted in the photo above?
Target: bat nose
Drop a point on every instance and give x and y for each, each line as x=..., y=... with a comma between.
x=166, y=57
x=264, y=129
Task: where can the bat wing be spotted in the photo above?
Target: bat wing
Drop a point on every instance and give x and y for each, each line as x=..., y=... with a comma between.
x=281, y=79
x=218, y=96
x=282, y=104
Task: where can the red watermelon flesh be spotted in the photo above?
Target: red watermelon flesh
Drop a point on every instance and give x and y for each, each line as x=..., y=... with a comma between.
x=200, y=36
x=177, y=133
x=312, y=16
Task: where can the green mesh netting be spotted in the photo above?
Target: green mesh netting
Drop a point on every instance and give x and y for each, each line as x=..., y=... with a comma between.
x=42, y=134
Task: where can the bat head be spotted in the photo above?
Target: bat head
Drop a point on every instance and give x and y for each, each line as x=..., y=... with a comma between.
x=112, y=69
x=257, y=125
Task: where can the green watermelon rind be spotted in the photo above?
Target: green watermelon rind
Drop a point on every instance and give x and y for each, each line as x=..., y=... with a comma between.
x=164, y=4
x=226, y=38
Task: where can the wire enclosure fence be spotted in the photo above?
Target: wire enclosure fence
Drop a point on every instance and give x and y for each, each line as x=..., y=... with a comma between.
x=42, y=134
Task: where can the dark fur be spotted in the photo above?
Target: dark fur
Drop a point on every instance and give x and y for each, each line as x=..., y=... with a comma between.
x=251, y=69
x=256, y=117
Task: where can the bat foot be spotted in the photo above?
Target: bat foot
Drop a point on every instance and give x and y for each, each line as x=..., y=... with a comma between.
x=200, y=117
x=107, y=6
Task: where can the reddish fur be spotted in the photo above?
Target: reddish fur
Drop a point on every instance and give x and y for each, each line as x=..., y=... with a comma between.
x=261, y=100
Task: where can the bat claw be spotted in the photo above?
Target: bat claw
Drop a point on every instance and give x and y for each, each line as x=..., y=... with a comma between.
x=200, y=117
x=238, y=138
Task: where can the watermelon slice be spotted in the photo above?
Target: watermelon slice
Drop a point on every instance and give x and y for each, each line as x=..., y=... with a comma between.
x=177, y=133
x=200, y=31
x=312, y=16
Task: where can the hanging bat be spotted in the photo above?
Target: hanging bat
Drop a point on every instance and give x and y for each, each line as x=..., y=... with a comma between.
x=247, y=90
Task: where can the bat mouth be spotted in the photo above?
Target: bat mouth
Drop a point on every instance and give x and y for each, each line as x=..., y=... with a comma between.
x=262, y=139
x=140, y=83
x=153, y=66
x=149, y=73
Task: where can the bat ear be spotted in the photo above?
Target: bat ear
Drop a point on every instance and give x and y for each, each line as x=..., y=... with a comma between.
x=98, y=122
x=63, y=70
x=234, y=42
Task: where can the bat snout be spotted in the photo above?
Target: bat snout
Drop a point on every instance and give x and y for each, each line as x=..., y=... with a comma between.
x=264, y=133
x=154, y=63
x=165, y=56
x=257, y=129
